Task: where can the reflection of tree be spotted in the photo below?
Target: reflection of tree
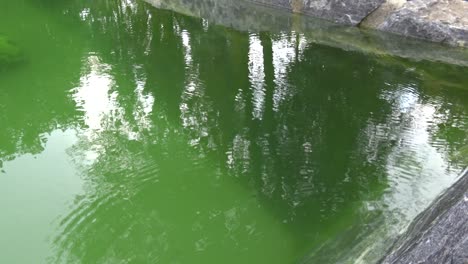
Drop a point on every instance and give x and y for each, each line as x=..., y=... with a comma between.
x=450, y=129
x=286, y=142
x=30, y=106
x=291, y=122
x=444, y=88
x=308, y=170
x=309, y=131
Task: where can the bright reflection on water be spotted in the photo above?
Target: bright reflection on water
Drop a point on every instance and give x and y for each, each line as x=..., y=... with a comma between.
x=136, y=135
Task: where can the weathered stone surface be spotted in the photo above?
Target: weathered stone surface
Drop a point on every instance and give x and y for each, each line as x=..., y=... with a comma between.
x=350, y=12
x=444, y=21
x=439, y=234
x=241, y=15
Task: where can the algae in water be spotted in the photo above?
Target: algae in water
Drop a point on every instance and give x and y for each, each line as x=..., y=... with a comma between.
x=9, y=52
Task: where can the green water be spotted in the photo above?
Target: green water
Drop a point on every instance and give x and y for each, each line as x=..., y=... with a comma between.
x=130, y=134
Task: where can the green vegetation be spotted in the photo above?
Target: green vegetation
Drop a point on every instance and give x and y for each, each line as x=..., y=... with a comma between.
x=9, y=52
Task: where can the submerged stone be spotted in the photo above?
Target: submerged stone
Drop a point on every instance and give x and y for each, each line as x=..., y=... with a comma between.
x=9, y=52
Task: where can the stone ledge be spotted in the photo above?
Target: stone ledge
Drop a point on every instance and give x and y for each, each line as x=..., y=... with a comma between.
x=350, y=12
x=243, y=15
x=443, y=21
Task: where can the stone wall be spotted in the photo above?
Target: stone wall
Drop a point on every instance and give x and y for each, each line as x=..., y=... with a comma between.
x=244, y=15
x=350, y=12
x=443, y=21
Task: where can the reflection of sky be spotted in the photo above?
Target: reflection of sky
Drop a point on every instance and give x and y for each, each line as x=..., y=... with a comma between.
x=34, y=190
x=286, y=49
x=94, y=95
x=98, y=99
x=193, y=107
x=257, y=76
x=416, y=170
x=284, y=53
x=415, y=166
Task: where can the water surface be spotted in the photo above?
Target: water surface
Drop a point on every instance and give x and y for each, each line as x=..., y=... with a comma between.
x=136, y=135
